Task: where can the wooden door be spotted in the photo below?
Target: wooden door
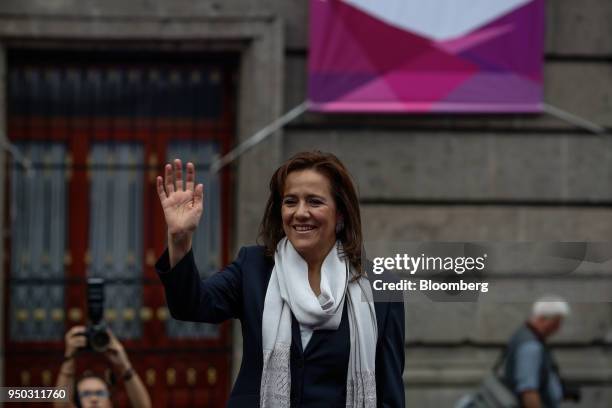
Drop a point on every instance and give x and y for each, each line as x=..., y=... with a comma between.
x=96, y=128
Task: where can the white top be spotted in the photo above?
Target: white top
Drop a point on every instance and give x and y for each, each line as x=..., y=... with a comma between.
x=306, y=333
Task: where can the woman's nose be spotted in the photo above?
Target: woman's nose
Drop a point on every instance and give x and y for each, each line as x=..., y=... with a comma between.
x=302, y=210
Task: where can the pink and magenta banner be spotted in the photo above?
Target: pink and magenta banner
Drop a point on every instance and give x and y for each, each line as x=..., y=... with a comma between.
x=426, y=55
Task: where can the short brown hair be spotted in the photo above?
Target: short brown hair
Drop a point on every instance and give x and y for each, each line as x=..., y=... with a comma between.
x=343, y=191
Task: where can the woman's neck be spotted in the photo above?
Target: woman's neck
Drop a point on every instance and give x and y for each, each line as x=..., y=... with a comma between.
x=314, y=269
x=314, y=277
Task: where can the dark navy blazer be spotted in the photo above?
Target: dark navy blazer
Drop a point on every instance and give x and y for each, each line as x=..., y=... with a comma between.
x=318, y=373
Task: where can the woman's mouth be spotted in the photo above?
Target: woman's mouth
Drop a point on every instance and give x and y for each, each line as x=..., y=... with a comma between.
x=304, y=228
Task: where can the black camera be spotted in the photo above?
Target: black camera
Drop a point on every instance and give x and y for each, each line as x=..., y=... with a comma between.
x=96, y=334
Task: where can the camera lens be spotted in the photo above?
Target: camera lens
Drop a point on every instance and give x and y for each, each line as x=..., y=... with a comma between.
x=95, y=299
x=99, y=340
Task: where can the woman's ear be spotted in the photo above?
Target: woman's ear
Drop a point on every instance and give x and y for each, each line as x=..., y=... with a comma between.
x=339, y=223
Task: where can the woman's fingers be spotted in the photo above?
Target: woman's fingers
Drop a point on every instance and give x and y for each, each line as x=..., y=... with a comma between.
x=160, y=189
x=178, y=174
x=198, y=195
x=169, y=179
x=190, y=176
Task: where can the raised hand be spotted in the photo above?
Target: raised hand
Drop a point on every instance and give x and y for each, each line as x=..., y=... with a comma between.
x=182, y=205
x=116, y=354
x=74, y=339
x=137, y=392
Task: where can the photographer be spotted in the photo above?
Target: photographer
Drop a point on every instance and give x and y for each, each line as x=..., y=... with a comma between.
x=92, y=390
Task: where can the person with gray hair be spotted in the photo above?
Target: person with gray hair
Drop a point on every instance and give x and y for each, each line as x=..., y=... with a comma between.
x=530, y=369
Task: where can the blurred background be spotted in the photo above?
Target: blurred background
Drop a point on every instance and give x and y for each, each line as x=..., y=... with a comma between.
x=95, y=96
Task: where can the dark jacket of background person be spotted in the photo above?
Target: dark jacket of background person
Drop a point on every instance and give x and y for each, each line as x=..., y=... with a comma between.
x=547, y=368
x=318, y=374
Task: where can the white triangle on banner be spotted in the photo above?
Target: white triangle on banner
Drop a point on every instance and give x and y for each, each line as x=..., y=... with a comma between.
x=438, y=20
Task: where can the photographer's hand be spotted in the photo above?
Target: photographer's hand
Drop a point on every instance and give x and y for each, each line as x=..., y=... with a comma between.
x=116, y=354
x=182, y=205
x=137, y=392
x=74, y=340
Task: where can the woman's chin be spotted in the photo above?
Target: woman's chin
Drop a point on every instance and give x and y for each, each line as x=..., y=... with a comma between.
x=302, y=245
x=310, y=249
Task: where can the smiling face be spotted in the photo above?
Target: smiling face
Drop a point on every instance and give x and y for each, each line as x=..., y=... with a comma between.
x=309, y=214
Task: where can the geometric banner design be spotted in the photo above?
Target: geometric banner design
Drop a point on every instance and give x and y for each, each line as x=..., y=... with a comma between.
x=473, y=56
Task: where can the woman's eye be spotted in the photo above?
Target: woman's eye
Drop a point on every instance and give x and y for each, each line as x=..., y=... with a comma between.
x=315, y=202
x=288, y=201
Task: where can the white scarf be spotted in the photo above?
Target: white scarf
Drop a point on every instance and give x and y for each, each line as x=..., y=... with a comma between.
x=289, y=291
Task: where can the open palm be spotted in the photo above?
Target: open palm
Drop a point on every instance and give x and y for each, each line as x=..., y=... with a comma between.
x=182, y=204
